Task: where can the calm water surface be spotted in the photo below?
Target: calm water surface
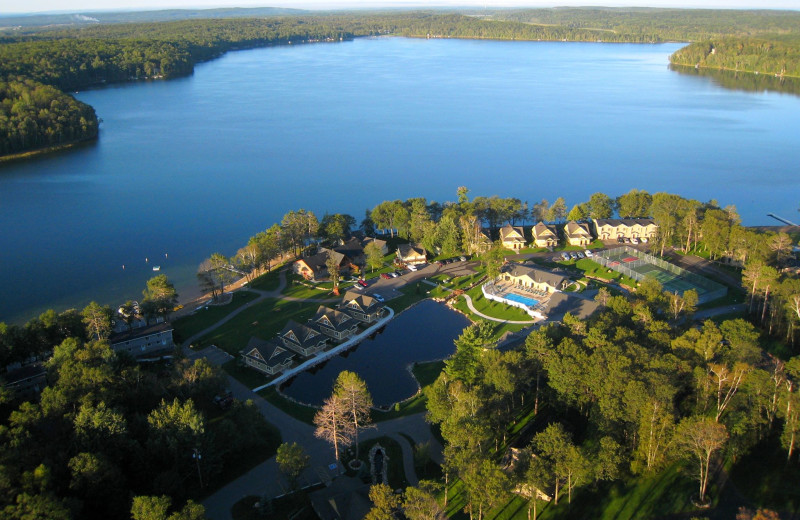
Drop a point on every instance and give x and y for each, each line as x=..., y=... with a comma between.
x=193, y=166
x=423, y=332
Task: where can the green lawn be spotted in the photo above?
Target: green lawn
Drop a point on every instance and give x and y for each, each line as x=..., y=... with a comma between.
x=267, y=282
x=297, y=288
x=491, y=308
x=190, y=325
x=264, y=320
x=245, y=375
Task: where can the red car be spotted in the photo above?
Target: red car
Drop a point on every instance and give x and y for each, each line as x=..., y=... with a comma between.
x=362, y=283
x=385, y=276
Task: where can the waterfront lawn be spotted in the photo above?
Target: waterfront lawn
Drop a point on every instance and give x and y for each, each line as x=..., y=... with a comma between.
x=409, y=295
x=296, y=288
x=190, y=325
x=267, y=282
x=264, y=320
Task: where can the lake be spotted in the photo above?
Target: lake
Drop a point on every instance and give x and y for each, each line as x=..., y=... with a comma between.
x=424, y=332
x=193, y=166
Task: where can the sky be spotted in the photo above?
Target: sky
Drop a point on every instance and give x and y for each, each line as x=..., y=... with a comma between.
x=38, y=6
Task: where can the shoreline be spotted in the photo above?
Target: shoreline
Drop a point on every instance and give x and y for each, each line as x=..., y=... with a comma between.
x=31, y=154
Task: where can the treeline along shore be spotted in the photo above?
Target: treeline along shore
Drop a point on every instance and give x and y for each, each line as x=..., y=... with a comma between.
x=38, y=65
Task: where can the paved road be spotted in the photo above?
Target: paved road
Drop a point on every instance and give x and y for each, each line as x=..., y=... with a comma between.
x=266, y=479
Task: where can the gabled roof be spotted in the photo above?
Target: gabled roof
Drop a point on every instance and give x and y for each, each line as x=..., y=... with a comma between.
x=319, y=262
x=352, y=249
x=542, y=230
x=332, y=319
x=627, y=222
x=380, y=243
x=535, y=274
x=574, y=230
x=268, y=351
x=298, y=334
x=512, y=233
x=410, y=251
x=362, y=302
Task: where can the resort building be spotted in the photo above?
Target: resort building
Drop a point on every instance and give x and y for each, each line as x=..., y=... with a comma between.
x=25, y=381
x=533, y=278
x=269, y=357
x=143, y=341
x=315, y=267
x=512, y=237
x=610, y=228
x=544, y=235
x=577, y=234
x=335, y=324
x=303, y=339
x=361, y=307
x=411, y=254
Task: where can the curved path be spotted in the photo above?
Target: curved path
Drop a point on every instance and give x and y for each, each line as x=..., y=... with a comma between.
x=262, y=295
x=484, y=316
x=265, y=479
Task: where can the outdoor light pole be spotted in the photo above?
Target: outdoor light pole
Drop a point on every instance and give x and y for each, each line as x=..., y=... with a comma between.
x=197, y=456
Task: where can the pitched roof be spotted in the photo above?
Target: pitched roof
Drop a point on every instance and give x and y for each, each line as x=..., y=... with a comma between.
x=380, y=243
x=574, y=229
x=269, y=351
x=332, y=319
x=363, y=302
x=627, y=222
x=542, y=230
x=352, y=249
x=319, y=262
x=535, y=274
x=512, y=233
x=299, y=334
x=410, y=250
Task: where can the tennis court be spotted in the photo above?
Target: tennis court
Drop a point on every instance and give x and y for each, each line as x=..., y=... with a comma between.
x=639, y=265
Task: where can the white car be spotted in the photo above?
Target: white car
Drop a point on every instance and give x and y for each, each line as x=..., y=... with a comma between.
x=588, y=253
x=378, y=297
x=411, y=267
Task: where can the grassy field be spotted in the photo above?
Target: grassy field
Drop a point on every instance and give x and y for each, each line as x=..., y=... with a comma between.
x=264, y=320
x=267, y=282
x=188, y=326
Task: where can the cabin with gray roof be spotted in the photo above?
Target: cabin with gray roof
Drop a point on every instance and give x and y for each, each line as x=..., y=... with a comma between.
x=362, y=307
x=267, y=356
x=336, y=324
x=544, y=235
x=577, y=234
x=512, y=237
x=303, y=339
x=412, y=254
x=378, y=242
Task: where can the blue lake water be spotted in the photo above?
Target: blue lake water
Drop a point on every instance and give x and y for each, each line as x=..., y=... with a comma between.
x=193, y=166
x=422, y=333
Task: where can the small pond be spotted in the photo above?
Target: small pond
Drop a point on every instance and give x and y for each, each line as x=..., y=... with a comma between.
x=421, y=333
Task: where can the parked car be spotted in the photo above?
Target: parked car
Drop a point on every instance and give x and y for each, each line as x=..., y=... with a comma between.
x=588, y=253
x=620, y=240
x=580, y=254
x=378, y=297
x=644, y=240
x=634, y=240
x=412, y=267
x=440, y=263
x=462, y=258
x=396, y=274
x=565, y=255
x=362, y=283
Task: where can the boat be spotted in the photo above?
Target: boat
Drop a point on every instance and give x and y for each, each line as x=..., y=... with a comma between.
x=156, y=268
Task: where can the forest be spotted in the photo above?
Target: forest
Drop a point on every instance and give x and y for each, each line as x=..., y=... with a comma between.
x=76, y=58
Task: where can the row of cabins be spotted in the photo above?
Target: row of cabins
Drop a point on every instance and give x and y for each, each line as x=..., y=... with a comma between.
x=578, y=233
x=276, y=355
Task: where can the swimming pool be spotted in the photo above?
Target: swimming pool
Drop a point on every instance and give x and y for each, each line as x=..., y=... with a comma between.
x=521, y=299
